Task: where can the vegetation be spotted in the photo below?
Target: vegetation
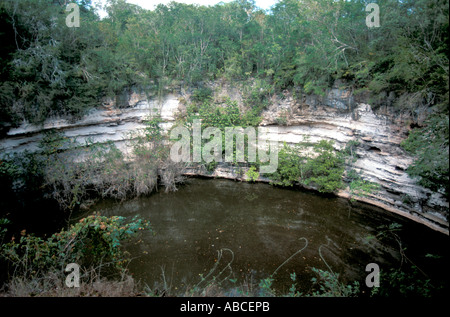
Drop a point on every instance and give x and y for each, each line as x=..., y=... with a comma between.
x=220, y=116
x=325, y=170
x=71, y=173
x=48, y=69
x=94, y=243
x=360, y=187
x=252, y=174
x=430, y=141
x=290, y=165
x=319, y=166
x=330, y=286
x=408, y=279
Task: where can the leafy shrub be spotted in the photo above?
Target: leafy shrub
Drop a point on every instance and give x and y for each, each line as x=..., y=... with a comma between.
x=330, y=286
x=429, y=145
x=289, y=169
x=201, y=95
x=322, y=169
x=360, y=187
x=221, y=117
x=257, y=95
x=216, y=116
x=93, y=242
x=69, y=172
x=252, y=174
x=407, y=279
x=404, y=283
x=325, y=170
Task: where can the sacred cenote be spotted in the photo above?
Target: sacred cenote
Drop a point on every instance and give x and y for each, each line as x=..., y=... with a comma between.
x=233, y=235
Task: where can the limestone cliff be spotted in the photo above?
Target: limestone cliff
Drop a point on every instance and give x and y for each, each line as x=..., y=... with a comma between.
x=336, y=116
x=380, y=159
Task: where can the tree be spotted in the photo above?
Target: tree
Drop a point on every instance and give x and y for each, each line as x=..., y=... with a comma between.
x=430, y=146
x=325, y=170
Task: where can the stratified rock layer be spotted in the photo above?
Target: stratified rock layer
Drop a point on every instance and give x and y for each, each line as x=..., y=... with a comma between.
x=337, y=117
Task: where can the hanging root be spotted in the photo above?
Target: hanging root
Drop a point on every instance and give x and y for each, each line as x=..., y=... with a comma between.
x=215, y=268
x=288, y=259
x=340, y=288
x=320, y=254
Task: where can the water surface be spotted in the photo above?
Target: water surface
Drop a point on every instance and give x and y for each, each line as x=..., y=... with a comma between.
x=239, y=233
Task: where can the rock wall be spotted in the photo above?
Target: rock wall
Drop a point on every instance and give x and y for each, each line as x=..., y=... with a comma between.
x=337, y=117
x=380, y=159
x=107, y=123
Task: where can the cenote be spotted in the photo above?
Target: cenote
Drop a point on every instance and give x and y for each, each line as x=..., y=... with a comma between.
x=236, y=234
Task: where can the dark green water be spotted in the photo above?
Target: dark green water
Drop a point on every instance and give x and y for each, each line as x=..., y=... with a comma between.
x=240, y=233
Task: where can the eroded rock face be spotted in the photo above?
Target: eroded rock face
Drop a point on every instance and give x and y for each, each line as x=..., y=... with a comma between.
x=337, y=117
x=106, y=123
x=380, y=159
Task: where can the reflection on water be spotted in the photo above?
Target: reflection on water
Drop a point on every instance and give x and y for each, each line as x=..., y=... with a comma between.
x=240, y=233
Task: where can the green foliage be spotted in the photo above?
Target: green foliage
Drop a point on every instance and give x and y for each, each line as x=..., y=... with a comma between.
x=360, y=187
x=429, y=146
x=221, y=117
x=407, y=283
x=93, y=242
x=406, y=280
x=201, y=95
x=257, y=94
x=321, y=169
x=211, y=166
x=293, y=289
x=3, y=224
x=49, y=69
x=70, y=172
x=330, y=286
x=21, y=171
x=265, y=287
x=148, y=143
x=350, y=150
x=252, y=174
x=290, y=166
x=325, y=170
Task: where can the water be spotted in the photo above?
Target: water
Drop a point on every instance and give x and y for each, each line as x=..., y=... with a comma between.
x=239, y=233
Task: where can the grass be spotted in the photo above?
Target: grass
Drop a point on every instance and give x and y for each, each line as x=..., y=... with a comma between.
x=52, y=284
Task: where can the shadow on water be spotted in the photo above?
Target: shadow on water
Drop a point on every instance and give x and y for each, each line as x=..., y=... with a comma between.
x=240, y=233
